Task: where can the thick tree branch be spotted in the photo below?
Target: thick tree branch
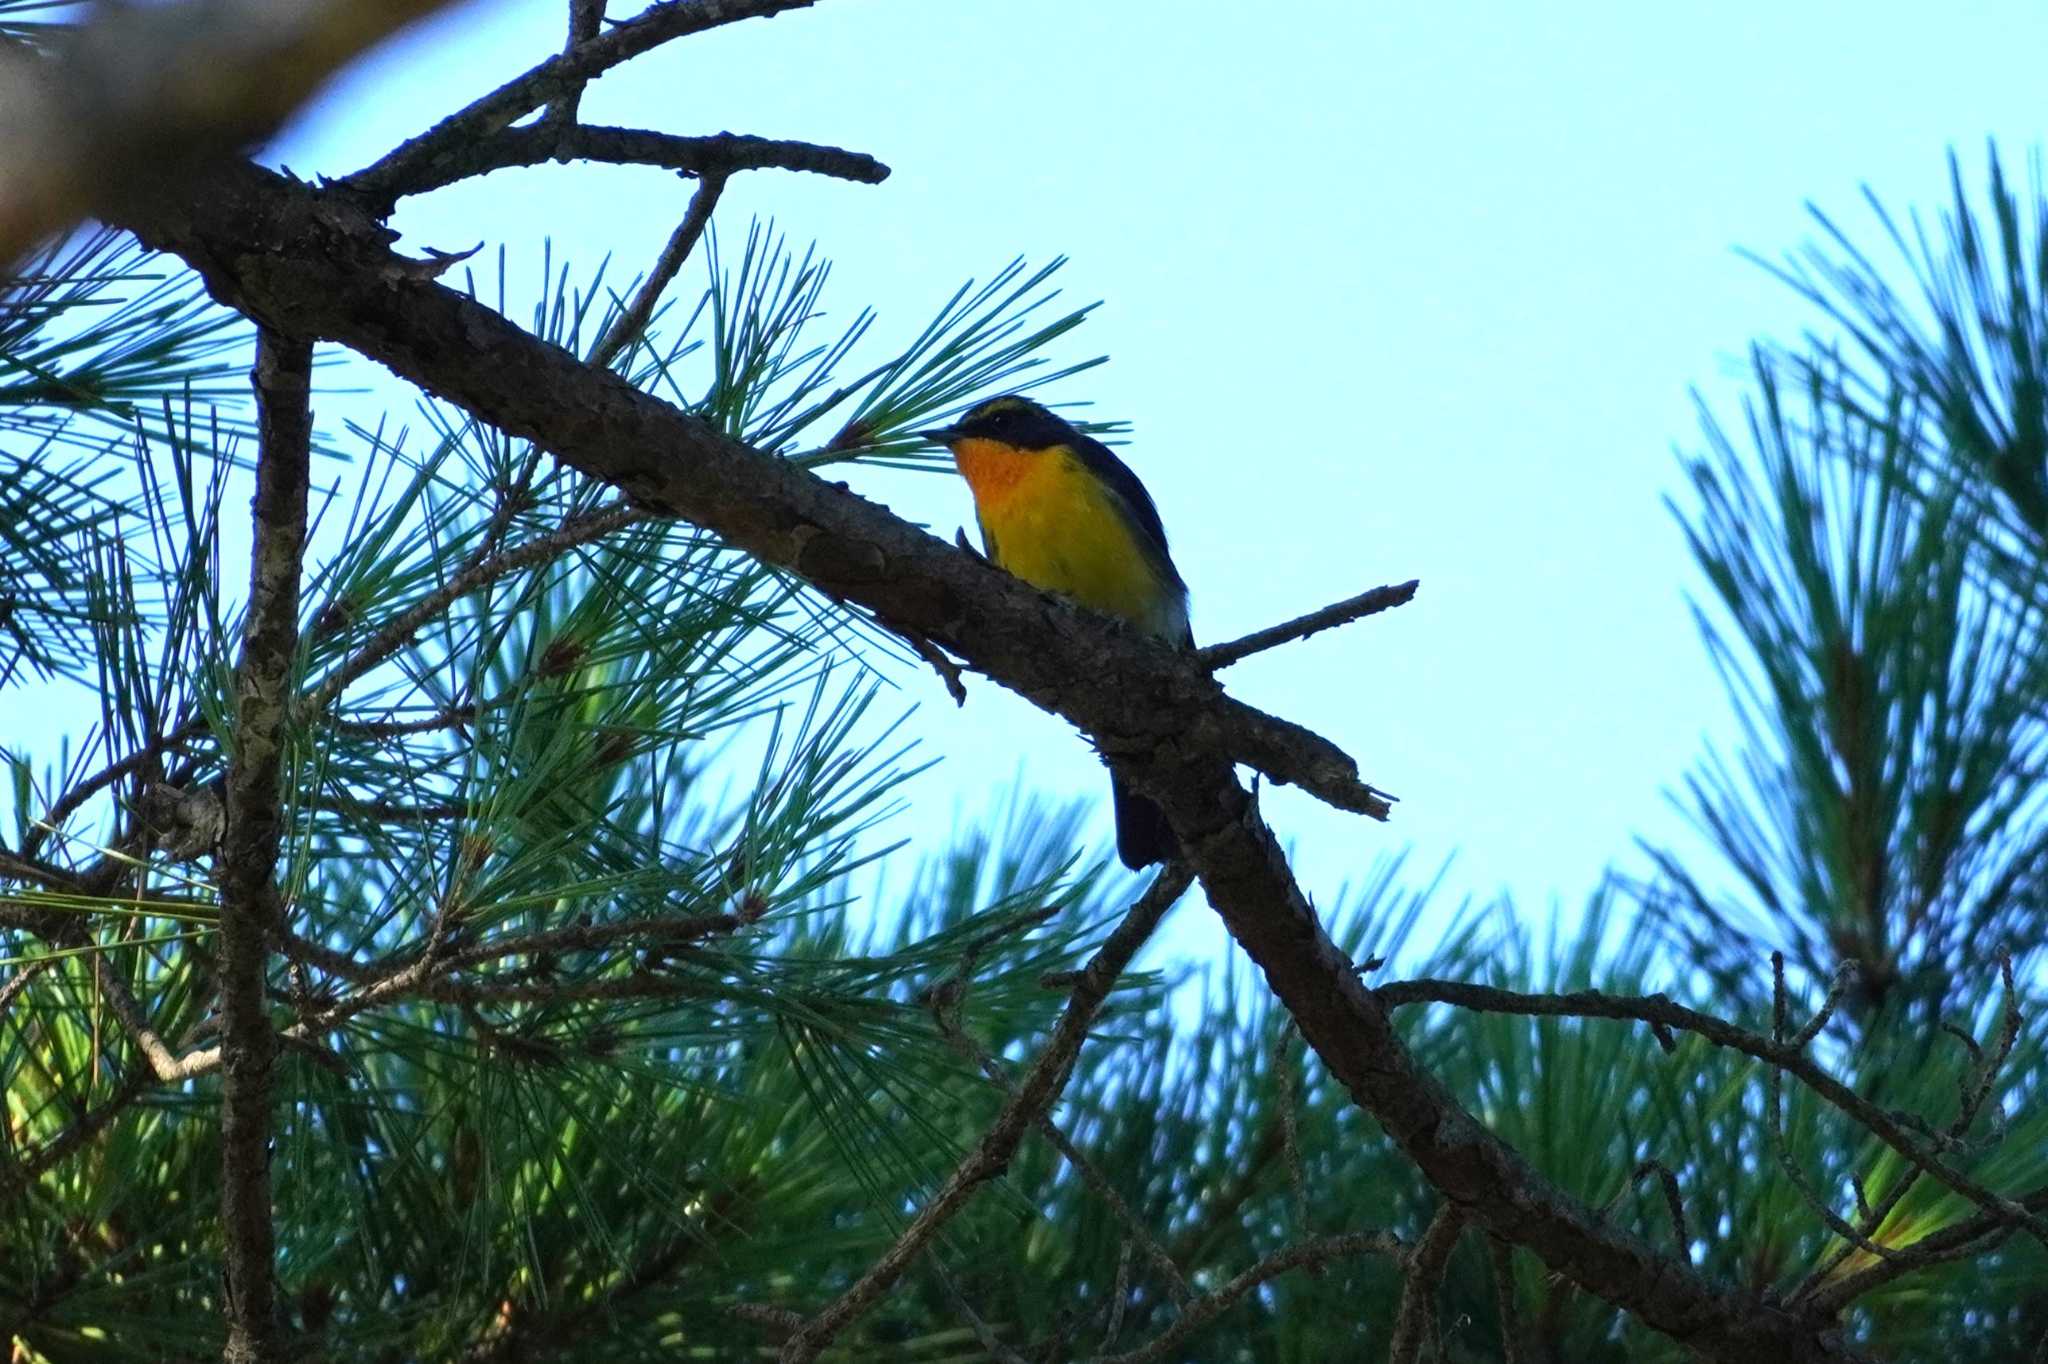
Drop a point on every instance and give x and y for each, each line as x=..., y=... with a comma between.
x=250, y=907
x=1036, y=1093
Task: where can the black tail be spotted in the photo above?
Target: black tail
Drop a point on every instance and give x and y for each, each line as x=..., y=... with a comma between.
x=1142, y=834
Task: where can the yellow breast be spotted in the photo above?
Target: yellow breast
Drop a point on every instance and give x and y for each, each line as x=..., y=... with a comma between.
x=1053, y=525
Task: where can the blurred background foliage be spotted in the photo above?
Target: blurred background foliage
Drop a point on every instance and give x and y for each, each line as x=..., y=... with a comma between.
x=587, y=1153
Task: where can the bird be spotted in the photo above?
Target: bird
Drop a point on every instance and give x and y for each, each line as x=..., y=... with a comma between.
x=1060, y=511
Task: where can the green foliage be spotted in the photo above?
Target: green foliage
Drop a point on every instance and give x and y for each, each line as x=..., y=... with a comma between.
x=620, y=1000
x=1883, y=807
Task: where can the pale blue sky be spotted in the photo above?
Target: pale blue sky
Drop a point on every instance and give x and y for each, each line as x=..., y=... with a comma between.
x=1388, y=291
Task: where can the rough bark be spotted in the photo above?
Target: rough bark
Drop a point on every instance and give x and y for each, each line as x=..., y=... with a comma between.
x=250, y=909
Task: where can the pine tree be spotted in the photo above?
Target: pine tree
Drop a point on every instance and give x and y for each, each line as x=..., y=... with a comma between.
x=472, y=923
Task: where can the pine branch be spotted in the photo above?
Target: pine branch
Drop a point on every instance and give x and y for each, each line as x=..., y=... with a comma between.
x=720, y=154
x=946, y=1008
x=1661, y=1011
x=418, y=160
x=1974, y=1096
x=630, y=324
x=251, y=909
x=586, y=18
x=1032, y=1097
x=395, y=634
x=1968, y=1238
x=1219, y=656
x=679, y=466
x=1152, y=710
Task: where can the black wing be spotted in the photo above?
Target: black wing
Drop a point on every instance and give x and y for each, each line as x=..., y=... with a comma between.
x=1104, y=464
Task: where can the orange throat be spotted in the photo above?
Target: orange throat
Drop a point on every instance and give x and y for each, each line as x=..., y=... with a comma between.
x=992, y=469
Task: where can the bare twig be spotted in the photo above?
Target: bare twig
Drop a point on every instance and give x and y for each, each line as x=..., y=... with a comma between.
x=1503, y=1256
x=18, y=982
x=718, y=155
x=1975, y=1235
x=1205, y=1309
x=1119, y=1296
x=454, y=717
x=417, y=160
x=15, y=867
x=1040, y=1087
x=424, y=972
x=250, y=906
x=1844, y=974
x=628, y=326
x=983, y=1332
x=1287, y=1093
x=72, y=800
x=946, y=668
x=1774, y=1090
x=1218, y=656
x=129, y=1012
x=779, y=1319
x=1674, y=1205
x=1415, y=1321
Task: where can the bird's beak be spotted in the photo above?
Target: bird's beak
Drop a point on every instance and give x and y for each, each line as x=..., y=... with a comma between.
x=940, y=435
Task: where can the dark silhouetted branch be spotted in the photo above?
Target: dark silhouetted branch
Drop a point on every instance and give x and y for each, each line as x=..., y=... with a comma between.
x=586, y=18
x=946, y=1007
x=630, y=324
x=417, y=161
x=715, y=155
x=1301, y=627
x=1975, y=1092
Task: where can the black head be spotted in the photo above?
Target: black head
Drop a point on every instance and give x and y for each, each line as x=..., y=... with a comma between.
x=1014, y=421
